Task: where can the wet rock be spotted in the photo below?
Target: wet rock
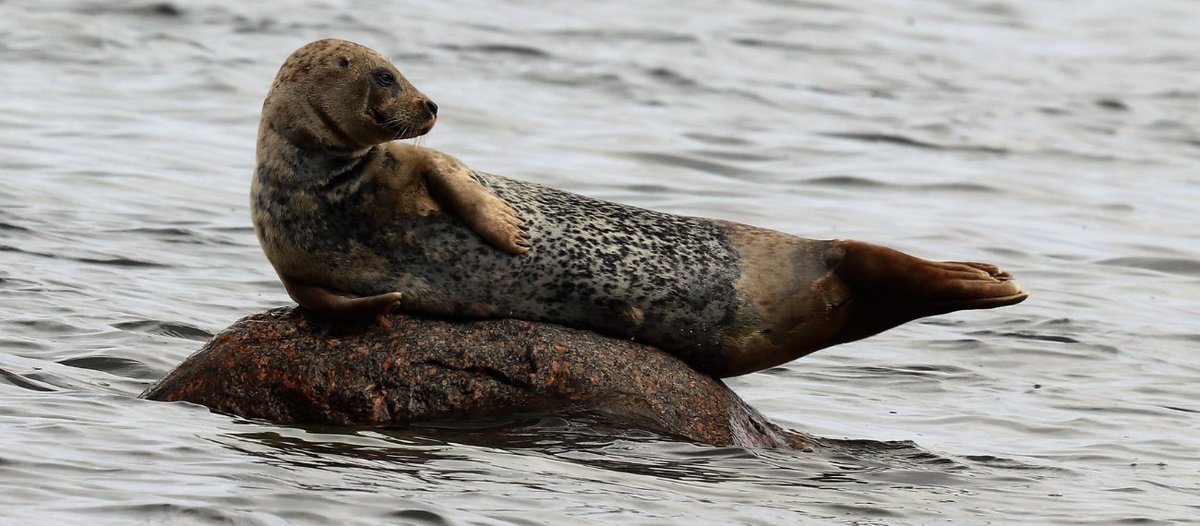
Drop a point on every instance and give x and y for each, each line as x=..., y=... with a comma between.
x=283, y=367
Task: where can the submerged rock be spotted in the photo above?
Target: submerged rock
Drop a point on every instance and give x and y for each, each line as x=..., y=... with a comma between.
x=283, y=367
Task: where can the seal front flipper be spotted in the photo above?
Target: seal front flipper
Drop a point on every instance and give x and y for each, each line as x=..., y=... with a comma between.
x=328, y=303
x=451, y=185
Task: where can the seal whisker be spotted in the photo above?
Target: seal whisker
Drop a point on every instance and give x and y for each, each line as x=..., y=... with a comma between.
x=403, y=129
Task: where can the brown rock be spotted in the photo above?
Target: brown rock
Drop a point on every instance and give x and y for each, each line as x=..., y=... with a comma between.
x=283, y=367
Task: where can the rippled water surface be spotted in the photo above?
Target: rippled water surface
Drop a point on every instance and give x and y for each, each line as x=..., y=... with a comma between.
x=1061, y=141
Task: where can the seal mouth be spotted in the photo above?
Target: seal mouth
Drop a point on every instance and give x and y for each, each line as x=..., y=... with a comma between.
x=382, y=120
x=399, y=127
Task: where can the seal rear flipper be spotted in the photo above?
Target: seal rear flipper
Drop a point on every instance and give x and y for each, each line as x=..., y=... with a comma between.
x=888, y=287
x=327, y=303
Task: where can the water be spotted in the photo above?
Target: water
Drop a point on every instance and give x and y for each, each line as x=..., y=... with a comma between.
x=1058, y=141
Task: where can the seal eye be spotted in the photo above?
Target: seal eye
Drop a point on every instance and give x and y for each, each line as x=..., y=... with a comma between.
x=385, y=78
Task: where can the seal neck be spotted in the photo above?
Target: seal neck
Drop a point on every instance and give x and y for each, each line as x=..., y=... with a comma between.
x=304, y=142
x=293, y=165
x=343, y=169
x=307, y=161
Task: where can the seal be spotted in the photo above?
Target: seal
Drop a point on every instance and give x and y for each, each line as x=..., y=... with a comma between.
x=356, y=224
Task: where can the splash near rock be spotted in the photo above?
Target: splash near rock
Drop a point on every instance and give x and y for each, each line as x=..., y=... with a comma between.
x=283, y=367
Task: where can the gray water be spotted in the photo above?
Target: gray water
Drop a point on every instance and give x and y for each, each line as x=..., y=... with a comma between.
x=1060, y=140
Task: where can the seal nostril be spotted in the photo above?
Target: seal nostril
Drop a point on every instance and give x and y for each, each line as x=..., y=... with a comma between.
x=429, y=105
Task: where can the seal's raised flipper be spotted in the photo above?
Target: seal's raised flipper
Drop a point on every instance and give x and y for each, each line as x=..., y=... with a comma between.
x=889, y=287
x=451, y=185
x=487, y=214
x=325, y=302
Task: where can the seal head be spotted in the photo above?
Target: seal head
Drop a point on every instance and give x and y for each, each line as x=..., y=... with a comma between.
x=335, y=95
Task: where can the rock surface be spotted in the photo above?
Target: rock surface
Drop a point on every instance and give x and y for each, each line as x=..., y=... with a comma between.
x=283, y=367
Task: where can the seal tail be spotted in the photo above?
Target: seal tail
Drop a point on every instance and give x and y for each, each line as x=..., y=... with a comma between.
x=889, y=287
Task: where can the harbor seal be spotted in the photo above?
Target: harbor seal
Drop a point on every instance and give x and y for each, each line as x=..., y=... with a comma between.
x=356, y=224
